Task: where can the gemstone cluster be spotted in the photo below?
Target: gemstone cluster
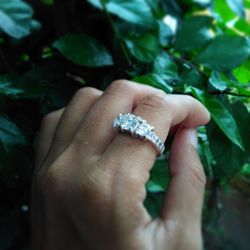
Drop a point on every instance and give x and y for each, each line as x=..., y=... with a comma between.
x=138, y=127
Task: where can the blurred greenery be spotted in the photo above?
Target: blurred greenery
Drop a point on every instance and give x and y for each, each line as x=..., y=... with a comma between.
x=51, y=48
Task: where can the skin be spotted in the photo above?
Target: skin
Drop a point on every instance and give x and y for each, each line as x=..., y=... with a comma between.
x=89, y=182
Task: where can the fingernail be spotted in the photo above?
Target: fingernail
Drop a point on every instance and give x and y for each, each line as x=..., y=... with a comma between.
x=192, y=136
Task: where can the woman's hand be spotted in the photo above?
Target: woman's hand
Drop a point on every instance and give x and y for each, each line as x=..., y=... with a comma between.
x=89, y=181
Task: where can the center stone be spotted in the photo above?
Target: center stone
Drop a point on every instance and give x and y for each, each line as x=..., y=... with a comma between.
x=128, y=123
x=143, y=129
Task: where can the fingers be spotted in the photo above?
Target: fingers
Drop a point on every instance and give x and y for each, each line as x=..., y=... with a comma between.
x=46, y=134
x=163, y=112
x=96, y=131
x=130, y=159
x=75, y=112
x=184, y=198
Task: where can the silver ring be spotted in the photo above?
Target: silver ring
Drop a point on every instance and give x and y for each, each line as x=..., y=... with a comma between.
x=138, y=127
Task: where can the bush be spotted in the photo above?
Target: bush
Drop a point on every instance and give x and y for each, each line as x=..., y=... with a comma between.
x=50, y=48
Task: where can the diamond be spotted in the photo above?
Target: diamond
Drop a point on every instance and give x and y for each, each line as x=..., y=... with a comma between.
x=128, y=122
x=142, y=130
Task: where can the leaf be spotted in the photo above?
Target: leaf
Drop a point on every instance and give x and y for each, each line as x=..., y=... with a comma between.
x=159, y=177
x=194, y=33
x=10, y=134
x=225, y=52
x=192, y=77
x=136, y=11
x=247, y=3
x=223, y=11
x=144, y=48
x=242, y=26
x=242, y=117
x=15, y=86
x=221, y=115
x=242, y=73
x=164, y=33
x=16, y=18
x=154, y=80
x=163, y=64
x=217, y=81
x=84, y=50
x=153, y=203
x=237, y=6
x=229, y=158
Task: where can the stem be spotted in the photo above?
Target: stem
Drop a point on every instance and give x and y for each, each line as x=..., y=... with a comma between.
x=184, y=61
x=116, y=32
x=229, y=93
x=5, y=62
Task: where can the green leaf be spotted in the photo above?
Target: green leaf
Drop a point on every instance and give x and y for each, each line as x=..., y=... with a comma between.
x=84, y=50
x=242, y=73
x=153, y=203
x=243, y=26
x=194, y=33
x=163, y=64
x=247, y=3
x=221, y=115
x=229, y=158
x=10, y=134
x=217, y=81
x=144, y=47
x=192, y=77
x=237, y=6
x=159, y=177
x=154, y=80
x=164, y=33
x=15, y=86
x=242, y=117
x=136, y=11
x=16, y=18
x=223, y=11
x=225, y=53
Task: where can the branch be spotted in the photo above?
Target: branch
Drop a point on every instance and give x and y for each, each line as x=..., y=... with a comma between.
x=117, y=33
x=227, y=92
x=191, y=65
x=5, y=62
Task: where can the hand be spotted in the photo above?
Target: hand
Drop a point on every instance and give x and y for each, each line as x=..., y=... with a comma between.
x=89, y=181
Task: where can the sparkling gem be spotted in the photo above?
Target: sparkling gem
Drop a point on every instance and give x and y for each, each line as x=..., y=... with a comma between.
x=128, y=122
x=143, y=130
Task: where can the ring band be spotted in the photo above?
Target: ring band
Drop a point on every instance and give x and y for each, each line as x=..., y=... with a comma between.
x=137, y=127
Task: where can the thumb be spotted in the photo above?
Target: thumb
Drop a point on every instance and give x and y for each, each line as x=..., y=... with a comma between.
x=184, y=197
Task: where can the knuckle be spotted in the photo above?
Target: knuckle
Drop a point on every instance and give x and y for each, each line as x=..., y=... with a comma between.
x=52, y=117
x=95, y=186
x=85, y=92
x=119, y=86
x=190, y=98
x=50, y=183
x=158, y=101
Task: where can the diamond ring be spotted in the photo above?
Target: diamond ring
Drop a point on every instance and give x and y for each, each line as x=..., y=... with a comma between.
x=137, y=127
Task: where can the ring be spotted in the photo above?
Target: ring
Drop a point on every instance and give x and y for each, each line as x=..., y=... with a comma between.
x=139, y=128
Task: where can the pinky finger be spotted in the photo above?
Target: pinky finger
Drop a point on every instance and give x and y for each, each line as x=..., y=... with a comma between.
x=46, y=135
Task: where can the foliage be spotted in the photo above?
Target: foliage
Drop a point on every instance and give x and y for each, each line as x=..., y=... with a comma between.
x=194, y=47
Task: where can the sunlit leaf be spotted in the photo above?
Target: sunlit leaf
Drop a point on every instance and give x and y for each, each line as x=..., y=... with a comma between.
x=225, y=53
x=136, y=11
x=221, y=116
